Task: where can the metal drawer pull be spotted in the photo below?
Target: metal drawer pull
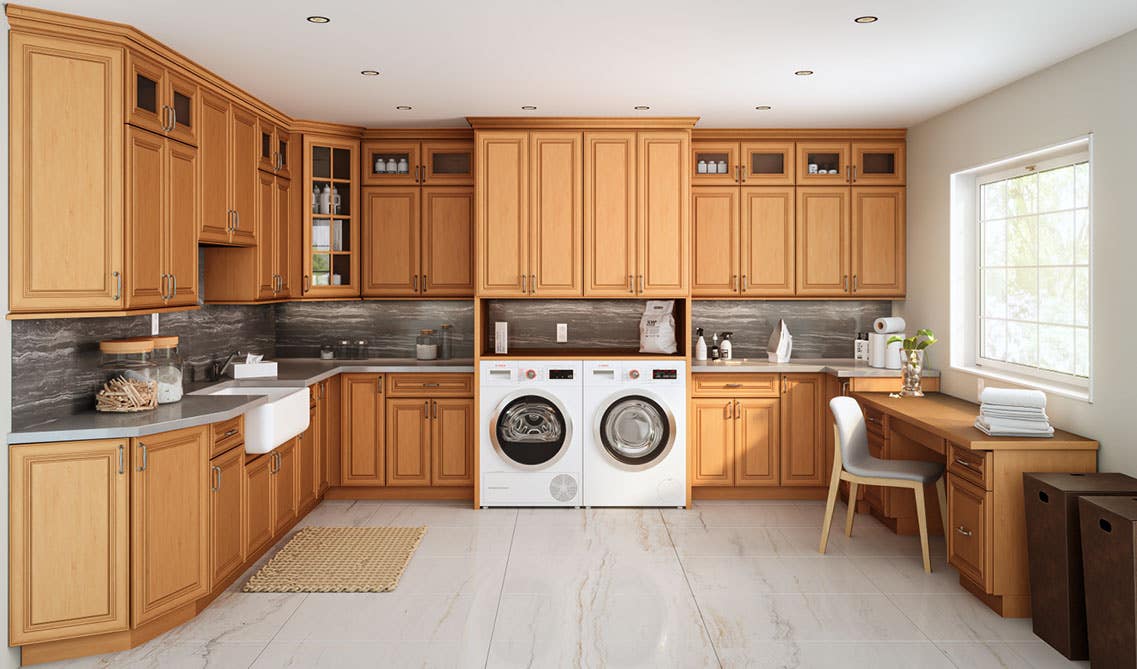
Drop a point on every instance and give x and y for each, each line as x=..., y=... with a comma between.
x=968, y=466
x=745, y=284
x=430, y=385
x=216, y=478
x=732, y=385
x=424, y=283
x=121, y=459
x=142, y=467
x=733, y=282
x=875, y=421
x=230, y=433
x=434, y=409
x=117, y=286
x=726, y=410
x=631, y=288
x=963, y=530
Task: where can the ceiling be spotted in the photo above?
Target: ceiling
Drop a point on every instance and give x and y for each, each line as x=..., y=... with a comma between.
x=718, y=60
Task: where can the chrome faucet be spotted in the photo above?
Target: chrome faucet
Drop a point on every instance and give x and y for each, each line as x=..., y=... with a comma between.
x=219, y=369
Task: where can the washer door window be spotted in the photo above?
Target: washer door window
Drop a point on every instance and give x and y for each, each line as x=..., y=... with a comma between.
x=531, y=431
x=636, y=431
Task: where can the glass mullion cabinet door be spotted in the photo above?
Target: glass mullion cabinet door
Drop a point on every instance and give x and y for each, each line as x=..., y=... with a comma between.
x=768, y=164
x=878, y=163
x=146, y=91
x=823, y=163
x=331, y=231
x=391, y=162
x=714, y=163
x=447, y=163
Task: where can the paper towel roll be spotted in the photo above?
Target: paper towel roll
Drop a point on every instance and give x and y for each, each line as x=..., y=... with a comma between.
x=878, y=347
x=891, y=325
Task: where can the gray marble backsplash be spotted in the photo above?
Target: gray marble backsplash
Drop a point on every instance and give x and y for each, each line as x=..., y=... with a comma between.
x=821, y=329
x=390, y=327
x=591, y=323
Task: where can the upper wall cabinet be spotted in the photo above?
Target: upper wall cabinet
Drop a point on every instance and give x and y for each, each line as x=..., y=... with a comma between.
x=742, y=241
x=330, y=246
x=407, y=162
x=229, y=153
x=161, y=99
x=859, y=163
x=273, y=148
x=753, y=163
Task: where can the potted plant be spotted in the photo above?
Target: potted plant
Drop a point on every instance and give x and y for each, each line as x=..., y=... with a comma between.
x=913, y=360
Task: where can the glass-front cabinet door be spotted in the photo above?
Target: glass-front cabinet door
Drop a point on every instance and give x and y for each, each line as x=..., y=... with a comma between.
x=768, y=163
x=331, y=231
x=878, y=163
x=447, y=163
x=391, y=162
x=182, y=97
x=146, y=106
x=714, y=163
x=823, y=163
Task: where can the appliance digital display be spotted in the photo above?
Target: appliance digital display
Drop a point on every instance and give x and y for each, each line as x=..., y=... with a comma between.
x=664, y=374
x=560, y=374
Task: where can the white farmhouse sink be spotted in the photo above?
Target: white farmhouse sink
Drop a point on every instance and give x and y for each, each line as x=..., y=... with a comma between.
x=282, y=417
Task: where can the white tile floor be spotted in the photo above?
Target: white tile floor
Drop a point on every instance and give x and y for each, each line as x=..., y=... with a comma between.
x=725, y=584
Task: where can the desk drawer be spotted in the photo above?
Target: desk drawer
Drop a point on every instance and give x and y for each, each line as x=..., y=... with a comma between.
x=430, y=385
x=735, y=385
x=874, y=421
x=970, y=521
x=971, y=465
x=917, y=435
x=227, y=434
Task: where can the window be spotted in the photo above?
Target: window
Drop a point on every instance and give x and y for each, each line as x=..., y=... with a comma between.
x=1033, y=302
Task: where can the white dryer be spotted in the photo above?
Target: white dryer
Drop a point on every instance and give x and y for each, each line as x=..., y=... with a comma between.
x=635, y=451
x=529, y=433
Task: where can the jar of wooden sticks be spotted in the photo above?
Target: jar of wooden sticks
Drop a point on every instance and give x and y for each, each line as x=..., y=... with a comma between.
x=131, y=376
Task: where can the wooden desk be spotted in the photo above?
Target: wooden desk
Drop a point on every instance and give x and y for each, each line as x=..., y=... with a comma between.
x=987, y=536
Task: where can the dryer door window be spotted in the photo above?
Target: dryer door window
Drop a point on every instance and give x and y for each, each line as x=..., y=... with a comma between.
x=636, y=431
x=531, y=430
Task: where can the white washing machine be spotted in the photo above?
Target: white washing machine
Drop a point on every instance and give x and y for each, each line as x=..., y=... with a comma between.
x=529, y=431
x=635, y=451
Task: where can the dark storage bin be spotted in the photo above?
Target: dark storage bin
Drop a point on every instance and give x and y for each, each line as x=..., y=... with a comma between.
x=1057, y=594
x=1109, y=540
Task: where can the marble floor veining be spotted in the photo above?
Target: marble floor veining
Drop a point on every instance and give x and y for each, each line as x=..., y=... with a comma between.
x=723, y=584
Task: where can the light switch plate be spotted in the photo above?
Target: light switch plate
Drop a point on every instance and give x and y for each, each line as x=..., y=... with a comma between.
x=153, y=324
x=562, y=333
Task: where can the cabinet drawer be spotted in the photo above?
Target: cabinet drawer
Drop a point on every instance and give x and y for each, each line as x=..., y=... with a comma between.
x=917, y=435
x=432, y=385
x=970, y=520
x=735, y=385
x=874, y=421
x=970, y=465
x=226, y=435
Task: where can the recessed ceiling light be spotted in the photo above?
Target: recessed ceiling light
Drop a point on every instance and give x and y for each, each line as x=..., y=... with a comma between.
x=763, y=107
x=404, y=107
x=803, y=73
x=641, y=107
x=865, y=19
x=369, y=73
x=528, y=107
x=318, y=19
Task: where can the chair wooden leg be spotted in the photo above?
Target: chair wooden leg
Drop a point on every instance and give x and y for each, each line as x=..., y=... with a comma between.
x=852, y=508
x=830, y=507
x=922, y=517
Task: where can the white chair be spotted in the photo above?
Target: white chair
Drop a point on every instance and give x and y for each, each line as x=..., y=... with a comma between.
x=852, y=462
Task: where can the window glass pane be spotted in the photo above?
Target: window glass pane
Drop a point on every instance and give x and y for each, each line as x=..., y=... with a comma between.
x=1056, y=239
x=995, y=200
x=1082, y=185
x=994, y=339
x=1056, y=348
x=1056, y=295
x=1022, y=195
x=1082, y=296
x=995, y=243
x=1022, y=241
x=1022, y=343
x=995, y=293
x=1022, y=294
x=1082, y=236
x=1082, y=352
x=1056, y=189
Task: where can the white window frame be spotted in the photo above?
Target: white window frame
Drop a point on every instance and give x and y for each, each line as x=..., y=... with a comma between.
x=967, y=243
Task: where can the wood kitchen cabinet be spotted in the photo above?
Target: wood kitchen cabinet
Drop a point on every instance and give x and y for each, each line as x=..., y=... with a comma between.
x=855, y=163
x=169, y=502
x=823, y=232
x=418, y=241
x=69, y=533
x=435, y=162
x=713, y=433
x=453, y=426
x=408, y=442
x=430, y=441
x=802, y=406
x=528, y=212
x=229, y=158
x=878, y=242
x=275, y=145
x=610, y=213
x=308, y=460
x=226, y=514
x=331, y=244
x=258, y=501
x=753, y=163
x=362, y=430
x=161, y=99
x=742, y=241
x=285, y=486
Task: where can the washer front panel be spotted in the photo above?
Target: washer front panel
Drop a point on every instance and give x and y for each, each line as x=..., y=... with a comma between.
x=635, y=429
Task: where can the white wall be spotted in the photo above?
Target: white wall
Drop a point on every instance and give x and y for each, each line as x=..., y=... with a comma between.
x=1096, y=92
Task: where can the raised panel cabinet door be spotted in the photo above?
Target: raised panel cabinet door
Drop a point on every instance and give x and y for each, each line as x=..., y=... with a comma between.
x=501, y=195
x=768, y=252
x=287, y=232
x=266, y=145
x=714, y=241
x=307, y=462
x=823, y=241
x=662, y=212
x=970, y=518
x=715, y=163
x=267, y=241
x=146, y=229
x=823, y=163
x=333, y=430
x=244, y=175
x=169, y=501
x=448, y=241
x=879, y=163
x=803, y=397
x=226, y=515
x=183, y=97
x=258, y=503
x=146, y=91
x=878, y=241
x=609, y=214
x=284, y=486
x=214, y=153
x=408, y=442
x=66, y=182
x=714, y=434
x=757, y=425
x=452, y=442
x=391, y=162
x=447, y=163
x=69, y=529
x=362, y=430
x=555, y=219
x=768, y=164
x=391, y=238
x=183, y=215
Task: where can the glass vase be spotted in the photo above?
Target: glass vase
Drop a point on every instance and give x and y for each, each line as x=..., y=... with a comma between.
x=911, y=369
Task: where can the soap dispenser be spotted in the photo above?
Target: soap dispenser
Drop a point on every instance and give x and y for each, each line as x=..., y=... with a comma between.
x=725, y=347
x=700, y=346
x=714, y=347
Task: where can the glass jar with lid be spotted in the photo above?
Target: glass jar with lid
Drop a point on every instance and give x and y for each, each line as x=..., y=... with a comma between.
x=445, y=342
x=132, y=359
x=169, y=368
x=426, y=346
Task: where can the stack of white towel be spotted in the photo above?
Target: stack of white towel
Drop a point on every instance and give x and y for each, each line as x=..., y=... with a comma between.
x=1008, y=412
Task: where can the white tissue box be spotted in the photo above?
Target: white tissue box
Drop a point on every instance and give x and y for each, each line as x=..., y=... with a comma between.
x=255, y=370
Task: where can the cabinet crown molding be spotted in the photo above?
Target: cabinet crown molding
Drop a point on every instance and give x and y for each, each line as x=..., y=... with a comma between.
x=844, y=134
x=582, y=122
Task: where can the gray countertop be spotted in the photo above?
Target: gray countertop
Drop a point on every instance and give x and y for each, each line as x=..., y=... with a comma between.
x=195, y=409
x=840, y=367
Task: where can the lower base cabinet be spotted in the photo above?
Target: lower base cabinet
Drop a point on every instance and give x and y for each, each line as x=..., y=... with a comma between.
x=430, y=442
x=258, y=502
x=362, y=430
x=226, y=506
x=284, y=486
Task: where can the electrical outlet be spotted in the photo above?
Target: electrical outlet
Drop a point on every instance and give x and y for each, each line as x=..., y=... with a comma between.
x=153, y=324
x=562, y=333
